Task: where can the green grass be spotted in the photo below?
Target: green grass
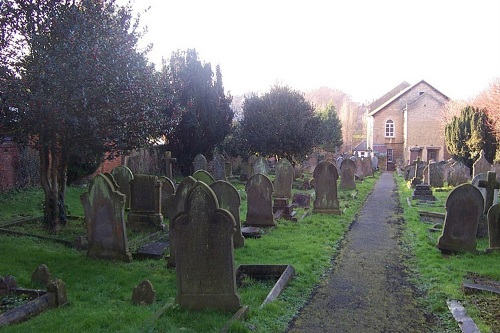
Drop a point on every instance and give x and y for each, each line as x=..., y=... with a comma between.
x=439, y=276
x=100, y=291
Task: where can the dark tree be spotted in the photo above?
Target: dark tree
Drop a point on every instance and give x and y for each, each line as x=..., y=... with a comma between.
x=468, y=134
x=331, y=134
x=281, y=122
x=85, y=88
x=199, y=106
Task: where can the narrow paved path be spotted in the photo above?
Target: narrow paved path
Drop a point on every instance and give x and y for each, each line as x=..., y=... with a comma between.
x=367, y=289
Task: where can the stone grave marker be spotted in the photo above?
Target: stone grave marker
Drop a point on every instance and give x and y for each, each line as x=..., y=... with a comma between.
x=460, y=174
x=481, y=165
x=228, y=168
x=284, y=179
x=259, y=201
x=143, y=293
x=325, y=187
x=494, y=227
x=347, y=171
x=105, y=220
x=199, y=163
x=204, y=176
x=425, y=175
x=435, y=174
x=359, y=169
x=229, y=199
x=177, y=202
x=464, y=207
x=338, y=162
x=167, y=191
x=302, y=200
x=219, y=167
x=123, y=176
x=41, y=276
x=490, y=184
x=367, y=166
x=374, y=159
x=205, y=267
x=260, y=166
x=145, y=203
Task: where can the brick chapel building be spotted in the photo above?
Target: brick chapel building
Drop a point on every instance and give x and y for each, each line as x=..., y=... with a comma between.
x=406, y=123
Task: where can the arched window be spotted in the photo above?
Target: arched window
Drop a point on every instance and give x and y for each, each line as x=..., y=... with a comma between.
x=389, y=128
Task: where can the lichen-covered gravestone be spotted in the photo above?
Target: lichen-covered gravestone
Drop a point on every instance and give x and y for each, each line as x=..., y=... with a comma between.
x=200, y=163
x=229, y=199
x=464, y=207
x=203, y=176
x=167, y=191
x=145, y=203
x=205, y=268
x=259, y=201
x=284, y=179
x=123, y=176
x=219, y=167
x=105, y=220
x=347, y=170
x=260, y=166
x=325, y=187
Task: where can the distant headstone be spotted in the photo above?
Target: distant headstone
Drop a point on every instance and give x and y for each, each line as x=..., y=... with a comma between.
x=203, y=176
x=359, y=169
x=494, y=227
x=260, y=166
x=367, y=167
x=123, y=176
x=259, y=201
x=228, y=169
x=177, y=202
x=338, y=162
x=297, y=171
x=200, y=163
x=167, y=191
x=460, y=174
x=41, y=276
x=205, y=268
x=105, y=220
x=481, y=165
x=145, y=203
x=302, y=200
x=374, y=159
x=143, y=293
x=435, y=174
x=325, y=187
x=464, y=207
x=229, y=199
x=284, y=179
x=490, y=184
x=219, y=167
x=347, y=170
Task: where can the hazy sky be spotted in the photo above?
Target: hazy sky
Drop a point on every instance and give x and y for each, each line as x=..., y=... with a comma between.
x=362, y=47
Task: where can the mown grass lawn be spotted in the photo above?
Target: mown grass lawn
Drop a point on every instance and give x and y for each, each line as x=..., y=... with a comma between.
x=440, y=276
x=100, y=291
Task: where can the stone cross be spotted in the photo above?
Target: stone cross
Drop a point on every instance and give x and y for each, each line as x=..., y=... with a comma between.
x=491, y=185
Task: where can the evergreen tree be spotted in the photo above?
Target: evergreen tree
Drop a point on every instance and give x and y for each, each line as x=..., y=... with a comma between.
x=467, y=134
x=331, y=129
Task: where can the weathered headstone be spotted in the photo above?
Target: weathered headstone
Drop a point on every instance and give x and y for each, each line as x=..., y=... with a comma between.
x=229, y=199
x=123, y=176
x=219, y=167
x=199, y=163
x=367, y=166
x=481, y=165
x=204, y=253
x=167, y=191
x=435, y=174
x=302, y=200
x=260, y=166
x=460, y=174
x=169, y=161
x=347, y=170
x=145, y=203
x=490, y=184
x=105, y=220
x=325, y=186
x=374, y=159
x=203, y=176
x=359, y=169
x=338, y=162
x=177, y=204
x=143, y=293
x=259, y=201
x=494, y=227
x=41, y=275
x=464, y=207
x=284, y=179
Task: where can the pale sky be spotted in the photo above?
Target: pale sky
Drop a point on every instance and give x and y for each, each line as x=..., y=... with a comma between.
x=362, y=47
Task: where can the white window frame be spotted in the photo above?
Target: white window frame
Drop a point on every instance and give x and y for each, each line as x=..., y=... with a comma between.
x=389, y=128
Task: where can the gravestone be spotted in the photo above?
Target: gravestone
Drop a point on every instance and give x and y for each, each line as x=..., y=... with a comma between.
x=203, y=176
x=423, y=192
x=425, y=176
x=123, y=176
x=105, y=220
x=169, y=162
x=494, y=227
x=145, y=203
x=228, y=169
x=325, y=187
x=464, y=207
x=435, y=174
x=347, y=170
x=367, y=166
x=229, y=199
x=338, y=162
x=167, y=191
x=204, y=255
x=460, y=174
x=143, y=293
x=259, y=201
x=219, y=167
x=297, y=171
x=359, y=169
x=199, y=163
x=251, y=160
x=177, y=204
x=41, y=276
x=417, y=176
x=302, y=200
x=374, y=162
x=481, y=165
x=260, y=166
x=284, y=179
x=313, y=161
x=490, y=184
